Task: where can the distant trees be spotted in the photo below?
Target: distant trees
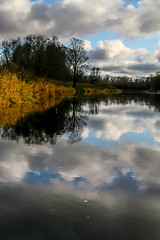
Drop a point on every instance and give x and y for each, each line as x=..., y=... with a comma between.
x=155, y=81
x=127, y=83
x=94, y=76
x=76, y=56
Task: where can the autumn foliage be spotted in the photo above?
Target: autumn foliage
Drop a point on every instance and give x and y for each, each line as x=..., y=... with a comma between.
x=19, y=98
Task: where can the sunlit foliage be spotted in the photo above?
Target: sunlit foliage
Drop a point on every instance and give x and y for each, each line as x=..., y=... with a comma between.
x=19, y=98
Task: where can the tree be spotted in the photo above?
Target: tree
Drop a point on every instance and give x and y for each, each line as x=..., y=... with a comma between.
x=94, y=75
x=76, y=56
x=155, y=81
x=7, y=49
x=37, y=55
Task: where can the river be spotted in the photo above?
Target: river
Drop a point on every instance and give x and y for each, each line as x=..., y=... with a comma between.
x=89, y=168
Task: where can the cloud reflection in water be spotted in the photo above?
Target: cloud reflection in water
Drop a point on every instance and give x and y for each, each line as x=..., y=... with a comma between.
x=83, y=191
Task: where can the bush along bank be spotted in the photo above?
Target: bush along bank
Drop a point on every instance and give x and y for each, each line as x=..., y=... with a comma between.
x=19, y=98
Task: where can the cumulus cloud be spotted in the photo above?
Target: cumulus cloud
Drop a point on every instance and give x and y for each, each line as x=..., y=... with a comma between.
x=69, y=18
x=87, y=45
x=115, y=50
x=113, y=57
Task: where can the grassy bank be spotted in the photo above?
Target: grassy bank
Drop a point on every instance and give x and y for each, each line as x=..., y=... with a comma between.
x=89, y=89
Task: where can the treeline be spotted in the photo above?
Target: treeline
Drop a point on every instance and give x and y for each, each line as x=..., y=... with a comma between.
x=38, y=55
x=41, y=56
x=155, y=81
x=126, y=83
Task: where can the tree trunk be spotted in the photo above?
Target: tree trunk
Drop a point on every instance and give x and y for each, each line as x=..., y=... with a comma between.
x=74, y=78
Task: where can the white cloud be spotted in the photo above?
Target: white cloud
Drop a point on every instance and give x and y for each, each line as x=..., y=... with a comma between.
x=112, y=56
x=77, y=18
x=116, y=50
x=87, y=45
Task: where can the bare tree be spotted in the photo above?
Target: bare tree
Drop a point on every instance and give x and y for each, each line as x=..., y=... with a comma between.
x=94, y=75
x=77, y=58
x=7, y=49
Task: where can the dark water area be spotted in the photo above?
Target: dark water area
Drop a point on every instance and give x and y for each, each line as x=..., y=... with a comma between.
x=88, y=168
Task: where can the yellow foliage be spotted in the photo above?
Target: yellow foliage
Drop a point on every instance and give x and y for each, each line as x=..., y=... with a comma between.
x=93, y=91
x=19, y=98
x=65, y=91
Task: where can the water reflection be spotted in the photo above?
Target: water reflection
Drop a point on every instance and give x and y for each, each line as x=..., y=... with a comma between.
x=68, y=117
x=75, y=121
x=106, y=186
x=119, y=144
x=27, y=213
x=128, y=164
x=111, y=118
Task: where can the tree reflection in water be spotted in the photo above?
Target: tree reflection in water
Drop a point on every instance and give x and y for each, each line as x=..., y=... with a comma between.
x=75, y=121
x=69, y=117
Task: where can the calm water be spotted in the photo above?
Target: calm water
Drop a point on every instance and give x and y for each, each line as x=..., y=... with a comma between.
x=86, y=169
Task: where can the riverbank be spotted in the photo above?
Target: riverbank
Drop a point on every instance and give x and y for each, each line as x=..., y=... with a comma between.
x=18, y=97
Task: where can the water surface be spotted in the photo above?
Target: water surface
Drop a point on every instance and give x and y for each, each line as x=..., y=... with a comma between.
x=86, y=169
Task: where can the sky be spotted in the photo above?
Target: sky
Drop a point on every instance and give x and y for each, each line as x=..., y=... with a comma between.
x=122, y=37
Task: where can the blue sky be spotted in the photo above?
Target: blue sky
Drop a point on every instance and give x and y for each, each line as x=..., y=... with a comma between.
x=121, y=36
